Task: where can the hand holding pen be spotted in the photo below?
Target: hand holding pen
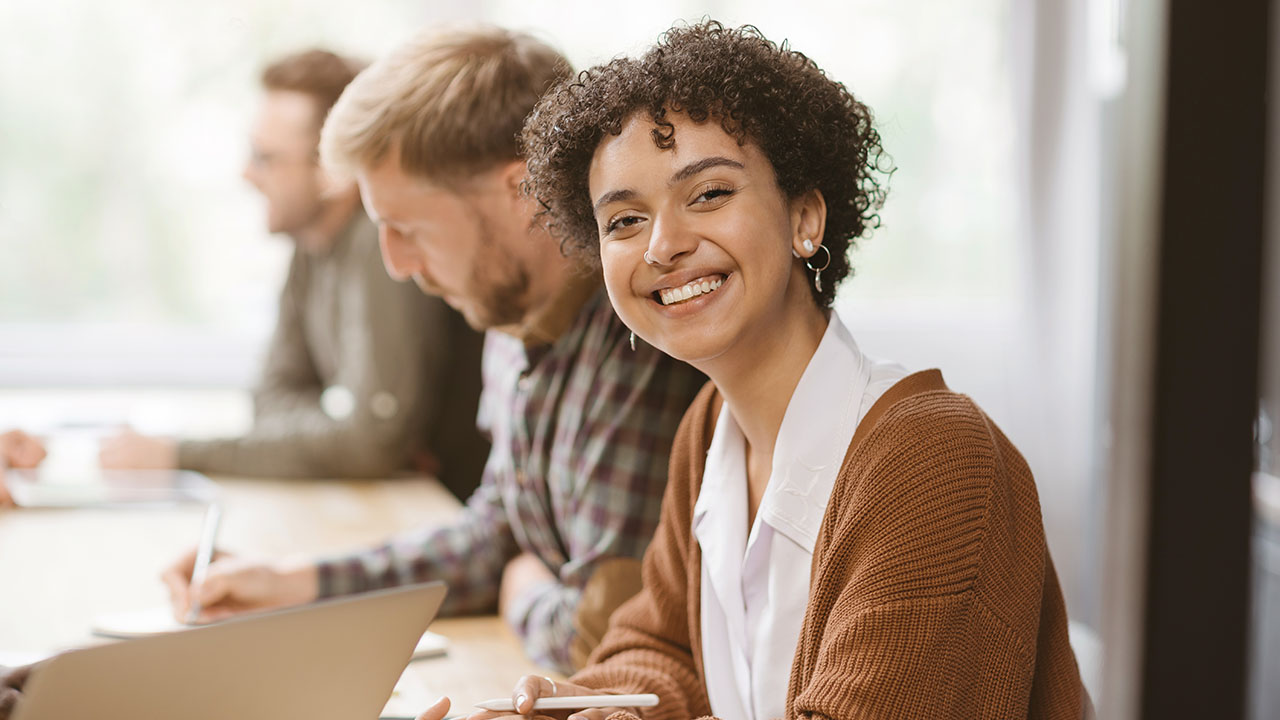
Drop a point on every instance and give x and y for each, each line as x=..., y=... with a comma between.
x=230, y=585
x=540, y=697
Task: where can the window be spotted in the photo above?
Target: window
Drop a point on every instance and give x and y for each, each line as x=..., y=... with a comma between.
x=132, y=252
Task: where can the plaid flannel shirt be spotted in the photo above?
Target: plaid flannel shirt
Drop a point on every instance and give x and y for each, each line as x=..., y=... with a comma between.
x=582, y=432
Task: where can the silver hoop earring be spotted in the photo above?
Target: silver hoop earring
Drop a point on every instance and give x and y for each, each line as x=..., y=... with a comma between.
x=633, y=341
x=817, y=272
x=648, y=259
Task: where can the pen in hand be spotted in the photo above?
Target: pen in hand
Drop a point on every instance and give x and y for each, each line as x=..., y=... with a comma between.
x=204, y=555
x=579, y=702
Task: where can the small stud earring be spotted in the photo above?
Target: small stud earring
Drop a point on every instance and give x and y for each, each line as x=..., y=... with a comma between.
x=633, y=341
x=807, y=245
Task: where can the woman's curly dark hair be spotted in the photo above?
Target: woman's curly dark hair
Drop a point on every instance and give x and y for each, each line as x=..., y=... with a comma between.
x=814, y=132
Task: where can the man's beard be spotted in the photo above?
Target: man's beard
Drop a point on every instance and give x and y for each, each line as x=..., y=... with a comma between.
x=503, y=281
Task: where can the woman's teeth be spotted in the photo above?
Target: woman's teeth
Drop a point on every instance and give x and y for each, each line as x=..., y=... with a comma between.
x=702, y=286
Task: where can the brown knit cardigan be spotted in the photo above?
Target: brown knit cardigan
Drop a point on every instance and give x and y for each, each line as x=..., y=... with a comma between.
x=932, y=596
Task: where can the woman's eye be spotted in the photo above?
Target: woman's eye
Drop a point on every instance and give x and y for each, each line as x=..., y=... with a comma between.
x=625, y=221
x=711, y=194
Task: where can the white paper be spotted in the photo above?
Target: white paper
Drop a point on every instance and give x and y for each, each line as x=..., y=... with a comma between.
x=160, y=620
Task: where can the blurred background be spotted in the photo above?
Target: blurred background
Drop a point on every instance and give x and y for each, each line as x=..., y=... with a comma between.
x=124, y=130
x=137, y=284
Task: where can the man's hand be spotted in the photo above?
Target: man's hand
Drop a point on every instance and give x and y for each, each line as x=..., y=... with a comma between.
x=19, y=450
x=523, y=572
x=11, y=683
x=131, y=451
x=234, y=586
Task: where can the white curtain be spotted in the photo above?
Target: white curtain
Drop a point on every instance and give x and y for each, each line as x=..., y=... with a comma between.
x=1057, y=87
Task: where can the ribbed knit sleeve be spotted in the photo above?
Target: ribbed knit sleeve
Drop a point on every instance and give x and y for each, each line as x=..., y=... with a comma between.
x=929, y=587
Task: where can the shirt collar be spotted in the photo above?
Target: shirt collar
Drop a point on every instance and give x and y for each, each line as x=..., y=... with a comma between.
x=815, y=434
x=724, y=483
x=816, y=430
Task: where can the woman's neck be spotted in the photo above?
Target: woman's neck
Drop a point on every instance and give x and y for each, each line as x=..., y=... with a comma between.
x=758, y=380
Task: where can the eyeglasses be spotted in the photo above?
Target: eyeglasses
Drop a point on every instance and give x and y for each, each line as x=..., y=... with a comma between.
x=262, y=159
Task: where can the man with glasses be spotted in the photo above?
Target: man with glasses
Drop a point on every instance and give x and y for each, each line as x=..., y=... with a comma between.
x=364, y=376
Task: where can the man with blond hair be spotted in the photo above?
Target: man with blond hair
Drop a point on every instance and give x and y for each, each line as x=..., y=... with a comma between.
x=581, y=418
x=364, y=376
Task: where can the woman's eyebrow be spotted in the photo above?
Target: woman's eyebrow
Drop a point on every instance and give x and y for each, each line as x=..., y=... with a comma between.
x=683, y=173
x=698, y=166
x=613, y=196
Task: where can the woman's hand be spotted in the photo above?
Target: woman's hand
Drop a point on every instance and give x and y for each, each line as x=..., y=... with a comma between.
x=437, y=711
x=532, y=687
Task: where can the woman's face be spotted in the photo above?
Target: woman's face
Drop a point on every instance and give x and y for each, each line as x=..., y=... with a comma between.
x=719, y=233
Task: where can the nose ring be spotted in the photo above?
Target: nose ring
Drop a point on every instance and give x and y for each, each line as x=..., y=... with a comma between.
x=649, y=258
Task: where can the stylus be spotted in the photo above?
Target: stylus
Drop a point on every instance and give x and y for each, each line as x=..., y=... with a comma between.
x=575, y=702
x=204, y=555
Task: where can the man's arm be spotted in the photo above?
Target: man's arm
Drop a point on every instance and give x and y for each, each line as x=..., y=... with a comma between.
x=468, y=555
x=391, y=355
x=616, y=473
x=289, y=376
x=648, y=648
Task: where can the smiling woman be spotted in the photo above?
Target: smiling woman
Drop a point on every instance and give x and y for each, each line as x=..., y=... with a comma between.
x=832, y=146
x=830, y=518
x=707, y=210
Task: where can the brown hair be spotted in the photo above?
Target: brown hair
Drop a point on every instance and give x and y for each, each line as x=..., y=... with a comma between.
x=814, y=132
x=452, y=105
x=319, y=73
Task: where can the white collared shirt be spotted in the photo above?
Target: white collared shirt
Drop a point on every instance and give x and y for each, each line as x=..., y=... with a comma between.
x=755, y=586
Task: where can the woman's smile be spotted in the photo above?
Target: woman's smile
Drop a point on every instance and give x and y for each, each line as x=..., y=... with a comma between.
x=674, y=295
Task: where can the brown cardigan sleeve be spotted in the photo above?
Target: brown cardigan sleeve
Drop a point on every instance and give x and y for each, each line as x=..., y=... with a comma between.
x=933, y=593
x=648, y=647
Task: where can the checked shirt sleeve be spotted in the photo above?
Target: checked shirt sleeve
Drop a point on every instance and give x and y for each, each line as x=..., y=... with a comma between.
x=468, y=555
x=606, y=485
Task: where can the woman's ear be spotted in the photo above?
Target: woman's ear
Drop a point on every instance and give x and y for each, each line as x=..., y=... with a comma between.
x=808, y=222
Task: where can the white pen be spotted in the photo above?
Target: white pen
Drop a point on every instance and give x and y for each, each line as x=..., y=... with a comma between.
x=204, y=555
x=575, y=702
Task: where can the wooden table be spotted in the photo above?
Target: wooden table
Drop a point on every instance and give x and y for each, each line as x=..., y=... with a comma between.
x=61, y=568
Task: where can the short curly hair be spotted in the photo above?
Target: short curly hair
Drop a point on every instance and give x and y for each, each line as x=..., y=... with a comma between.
x=814, y=132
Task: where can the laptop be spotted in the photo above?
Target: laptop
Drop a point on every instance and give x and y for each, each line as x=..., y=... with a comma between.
x=333, y=660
